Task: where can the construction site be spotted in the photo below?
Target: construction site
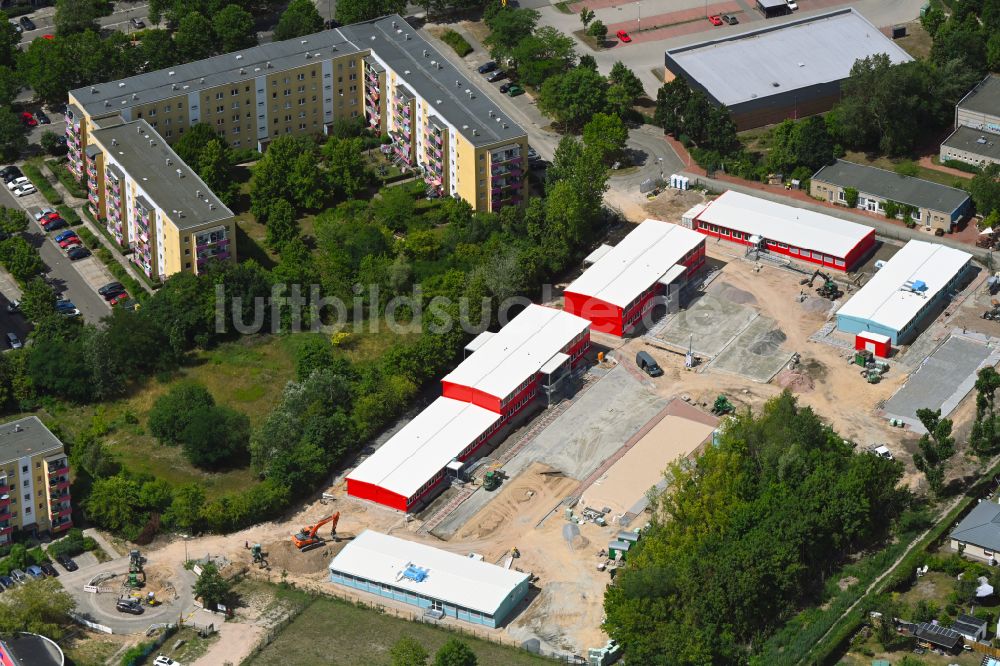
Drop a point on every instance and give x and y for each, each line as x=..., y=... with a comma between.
x=565, y=489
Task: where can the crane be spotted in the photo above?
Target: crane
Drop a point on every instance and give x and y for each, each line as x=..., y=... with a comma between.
x=307, y=537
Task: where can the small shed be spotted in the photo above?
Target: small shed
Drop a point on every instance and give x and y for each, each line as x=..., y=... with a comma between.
x=626, y=535
x=937, y=636
x=876, y=343
x=617, y=549
x=971, y=627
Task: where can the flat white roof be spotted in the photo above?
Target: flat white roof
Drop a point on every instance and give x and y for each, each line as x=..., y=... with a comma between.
x=451, y=578
x=597, y=254
x=518, y=350
x=636, y=263
x=785, y=224
x=883, y=300
x=782, y=58
x=424, y=446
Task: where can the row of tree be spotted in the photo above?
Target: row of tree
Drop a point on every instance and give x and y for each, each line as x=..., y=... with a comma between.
x=409, y=652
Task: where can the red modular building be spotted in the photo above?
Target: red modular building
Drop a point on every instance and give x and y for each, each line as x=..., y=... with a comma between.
x=776, y=228
x=504, y=373
x=621, y=284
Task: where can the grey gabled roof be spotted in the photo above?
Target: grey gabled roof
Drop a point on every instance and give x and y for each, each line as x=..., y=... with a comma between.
x=984, y=98
x=26, y=437
x=973, y=141
x=938, y=635
x=968, y=624
x=981, y=527
x=892, y=186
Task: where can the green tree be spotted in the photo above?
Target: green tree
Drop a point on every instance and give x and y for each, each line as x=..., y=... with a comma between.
x=13, y=139
x=282, y=225
x=38, y=607
x=985, y=189
x=271, y=174
x=215, y=167
x=10, y=85
x=76, y=16
x=306, y=182
x=155, y=495
x=345, y=166
x=607, y=135
x=623, y=76
x=314, y=352
x=20, y=258
x=185, y=508
x=38, y=300
x=211, y=587
x=356, y=11
x=234, y=28
x=158, y=49
x=671, y=99
x=598, y=31
x=573, y=98
x=191, y=144
x=408, y=652
x=932, y=20
x=215, y=437
x=455, y=653
x=13, y=220
x=172, y=411
x=113, y=503
x=50, y=143
x=850, y=197
x=993, y=52
x=194, y=39
x=586, y=16
x=300, y=18
x=936, y=446
x=394, y=208
x=507, y=28
x=10, y=40
x=985, y=436
x=542, y=54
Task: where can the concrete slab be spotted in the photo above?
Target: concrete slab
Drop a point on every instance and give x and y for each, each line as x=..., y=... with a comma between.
x=710, y=324
x=942, y=381
x=94, y=272
x=757, y=353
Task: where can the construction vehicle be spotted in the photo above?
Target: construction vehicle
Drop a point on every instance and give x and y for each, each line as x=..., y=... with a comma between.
x=136, y=575
x=828, y=289
x=993, y=314
x=722, y=406
x=493, y=479
x=258, y=555
x=872, y=375
x=308, y=538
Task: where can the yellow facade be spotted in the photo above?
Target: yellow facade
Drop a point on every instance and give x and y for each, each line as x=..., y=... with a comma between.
x=34, y=480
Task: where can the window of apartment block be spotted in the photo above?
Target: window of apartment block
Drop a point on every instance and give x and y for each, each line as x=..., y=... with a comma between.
x=354, y=88
x=180, y=131
x=153, y=123
x=219, y=109
x=353, y=64
x=236, y=117
x=301, y=89
x=236, y=130
x=353, y=77
x=288, y=105
x=302, y=101
x=27, y=509
x=187, y=264
x=220, y=121
x=340, y=66
x=302, y=126
x=170, y=133
x=312, y=73
x=236, y=104
x=286, y=79
x=139, y=115
x=247, y=89
x=288, y=91
x=275, y=121
x=314, y=98
x=288, y=118
x=180, y=105
x=219, y=95
x=302, y=114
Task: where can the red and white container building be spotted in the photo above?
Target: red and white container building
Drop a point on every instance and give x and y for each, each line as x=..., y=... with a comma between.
x=623, y=281
x=503, y=374
x=779, y=229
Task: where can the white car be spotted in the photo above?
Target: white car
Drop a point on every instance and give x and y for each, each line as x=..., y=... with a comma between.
x=25, y=190
x=42, y=213
x=165, y=661
x=793, y=5
x=18, y=182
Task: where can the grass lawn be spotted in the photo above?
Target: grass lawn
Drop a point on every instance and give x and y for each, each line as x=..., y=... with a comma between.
x=330, y=631
x=890, y=165
x=90, y=651
x=917, y=41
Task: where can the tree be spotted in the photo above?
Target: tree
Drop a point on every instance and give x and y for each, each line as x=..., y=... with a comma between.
x=345, y=166
x=51, y=144
x=932, y=19
x=985, y=189
x=507, y=28
x=215, y=437
x=211, y=587
x=113, y=502
x=408, y=652
x=191, y=144
x=586, y=16
x=573, y=98
x=544, y=53
x=13, y=139
x=455, y=653
x=38, y=300
x=13, y=220
x=10, y=41
x=76, y=16
x=158, y=49
x=194, y=39
x=356, y=11
x=607, y=135
x=39, y=607
x=10, y=85
x=272, y=173
x=20, y=258
x=671, y=98
x=282, y=225
x=215, y=167
x=185, y=508
x=985, y=436
x=623, y=76
x=300, y=18
x=172, y=411
x=234, y=28
x=598, y=31
x=851, y=197
x=306, y=182
x=937, y=445
x=588, y=61
x=313, y=353
x=394, y=208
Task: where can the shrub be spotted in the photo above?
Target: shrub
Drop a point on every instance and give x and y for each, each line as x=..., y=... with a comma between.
x=42, y=183
x=457, y=42
x=962, y=166
x=851, y=197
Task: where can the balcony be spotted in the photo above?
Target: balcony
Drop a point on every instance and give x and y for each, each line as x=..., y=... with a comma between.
x=6, y=530
x=5, y=517
x=500, y=156
x=63, y=524
x=60, y=512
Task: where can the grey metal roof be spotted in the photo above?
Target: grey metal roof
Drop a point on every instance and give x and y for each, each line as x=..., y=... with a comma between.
x=451, y=92
x=892, y=186
x=192, y=77
x=172, y=184
x=974, y=141
x=938, y=635
x=968, y=624
x=25, y=437
x=784, y=57
x=981, y=527
x=985, y=97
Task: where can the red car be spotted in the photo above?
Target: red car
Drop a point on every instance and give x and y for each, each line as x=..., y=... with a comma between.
x=715, y=20
x=66, y=242
x=28, y=119
x=623, y=36
x=49, y=219
x=120, y=298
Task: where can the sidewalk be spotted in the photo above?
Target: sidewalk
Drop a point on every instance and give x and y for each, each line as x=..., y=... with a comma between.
x=102, y=542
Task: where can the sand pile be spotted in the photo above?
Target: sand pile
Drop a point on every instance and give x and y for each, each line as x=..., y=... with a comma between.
x=730, y=293
x=282, y=555
x=816, y=304
x=796, y=382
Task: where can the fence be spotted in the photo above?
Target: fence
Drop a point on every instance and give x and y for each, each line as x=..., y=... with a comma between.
x=984, y=648
x=91, y=625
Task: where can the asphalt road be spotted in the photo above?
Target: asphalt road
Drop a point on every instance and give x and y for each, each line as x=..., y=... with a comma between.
x=119, y=20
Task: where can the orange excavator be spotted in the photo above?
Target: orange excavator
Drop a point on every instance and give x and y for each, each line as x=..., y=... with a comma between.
x=307, y=538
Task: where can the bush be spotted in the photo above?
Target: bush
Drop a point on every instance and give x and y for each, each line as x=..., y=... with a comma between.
x=62, y=174
x=173, y=411
x=457, y=42
x=41, y=183
x=72, y=544
x=962, y=166
x=850, y=197
x=88, y=238
x=69, y=215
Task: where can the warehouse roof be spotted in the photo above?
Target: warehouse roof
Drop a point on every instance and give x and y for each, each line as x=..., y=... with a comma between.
x=785, y=224
x=888, y=298
x=981, y=527
x=451, y=92
x=26, y=437
x=892, y=186
x=984, y=98
x=423, y=447
x=974, y=141
x=518, y=350
x=451, y=578
x=640, y=259
x=156, y=168
x=780, y=58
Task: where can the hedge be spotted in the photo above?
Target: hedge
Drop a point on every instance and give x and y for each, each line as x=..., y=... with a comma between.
x=41, y=183
x=69, y=215
x=62, y=174
x=962, y=166
x=457, y=42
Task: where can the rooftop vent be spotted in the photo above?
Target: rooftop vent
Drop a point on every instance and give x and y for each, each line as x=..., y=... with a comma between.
x=180, y=174
x=135, y=96
x=239, y=56
x=121, y=84
x=138, y=129
x=505, y=125
x=107, y=103
x=197, y=193
x=93, y=90
x=775, y=84
x=434, y=63
x=268, y=64
x=406, y=72
x=491, y=113
x=242, y=71
x=308, y=55
x=475, y=132
x=393, y=25
x=437, y=101
x=407, y=36
x=458, y=83
x=169, y=161
x=152, y=143
x=802, y=64
x=18, y=428
x=256, y=69
x=425, y=53
x=465, y=127
x=304, y=41
x=981, y=139
x=202, y=80
x=170, y=73
x=372, y=38
x=211, y=206
x=173, y=86
x=333, y=48
x=114, y=141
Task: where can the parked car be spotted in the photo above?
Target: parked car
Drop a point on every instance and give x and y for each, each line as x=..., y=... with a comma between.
x=9, y=173
x=19, y=576
x=17, y=27
x=64, y=235
x=730, y=19
x=13, y=307
x=792, y=5
x=70, y=240
x=120, y=298
x=623, y=36
x=487, y=67
x=14, y=342
x=137, y=23
x=515, y=90
x=715, y=19
x=63, y=304
x=42, y=213
x=25, y=190
x=111, y=287
x=28, y=119
x=41, y=117
x=496, y=75
x=35, y=572
x=129, y=606
x=49, y=570
x=27, y=23
x=533, y=155
x=67, y=563
x=17, y=182
x=7, y=581
x=162, y=660
x=647, y=364
x=505, y=87
x=78, y=253
x=55, y=224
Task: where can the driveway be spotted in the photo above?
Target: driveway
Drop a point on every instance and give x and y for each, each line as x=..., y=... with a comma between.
x=44, y=21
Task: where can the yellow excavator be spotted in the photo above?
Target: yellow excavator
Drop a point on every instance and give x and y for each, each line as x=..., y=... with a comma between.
x=308, y=538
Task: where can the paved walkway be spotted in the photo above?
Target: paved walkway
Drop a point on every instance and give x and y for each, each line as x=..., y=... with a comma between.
x=102, y=542
x=928, y=163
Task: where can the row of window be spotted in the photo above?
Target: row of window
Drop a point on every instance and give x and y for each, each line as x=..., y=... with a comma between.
x=411, y=598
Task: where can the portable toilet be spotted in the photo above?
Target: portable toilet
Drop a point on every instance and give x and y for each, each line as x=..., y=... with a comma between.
x=876, y=343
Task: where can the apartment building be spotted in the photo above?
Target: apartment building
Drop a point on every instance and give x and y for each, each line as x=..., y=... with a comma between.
x=442, y=125
x=153, y=202
x=34, y=480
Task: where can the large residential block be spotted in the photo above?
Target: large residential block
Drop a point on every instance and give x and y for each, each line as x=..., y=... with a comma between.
x=441, y=124
x=34, y=480
x=976, y=139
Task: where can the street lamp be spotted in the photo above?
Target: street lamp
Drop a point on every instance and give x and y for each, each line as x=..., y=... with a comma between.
x=185, y=537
